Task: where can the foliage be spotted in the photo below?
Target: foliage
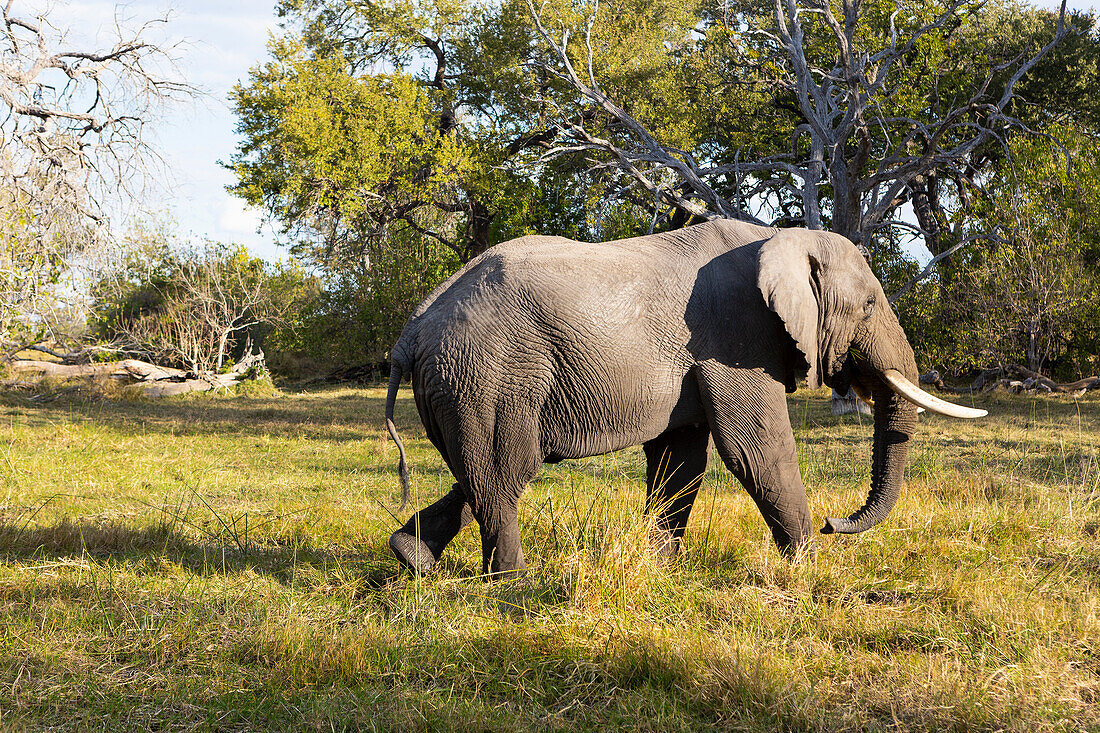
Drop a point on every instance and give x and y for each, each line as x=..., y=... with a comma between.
x=371, y=120
x=352, y=316
x=33, y=266
x=1032, y=296
x=193, y=309
x=394, y=140
x=338, y=157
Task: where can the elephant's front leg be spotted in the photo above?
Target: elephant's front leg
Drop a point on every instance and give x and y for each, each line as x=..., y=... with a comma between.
x=421, y=542
x=752, y=432
x=775, y=484
x=675, y=463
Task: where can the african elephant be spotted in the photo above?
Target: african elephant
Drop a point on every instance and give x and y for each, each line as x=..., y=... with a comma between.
x=544, y=348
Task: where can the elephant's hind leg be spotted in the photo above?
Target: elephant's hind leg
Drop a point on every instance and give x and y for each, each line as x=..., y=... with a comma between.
x=675, y=463
x=501, y=553
x=497, y=464
x=420, y=543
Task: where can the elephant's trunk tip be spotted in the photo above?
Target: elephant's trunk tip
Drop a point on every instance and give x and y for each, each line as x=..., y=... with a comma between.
x=838, y=526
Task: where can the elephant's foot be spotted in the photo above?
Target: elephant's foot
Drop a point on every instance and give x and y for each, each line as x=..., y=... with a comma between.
x=411, y=552
x=496, y=576
x=505, y=561
x=796, y=550
x=665, y=544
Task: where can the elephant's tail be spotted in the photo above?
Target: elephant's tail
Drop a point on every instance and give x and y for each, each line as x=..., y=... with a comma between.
x=397, y=371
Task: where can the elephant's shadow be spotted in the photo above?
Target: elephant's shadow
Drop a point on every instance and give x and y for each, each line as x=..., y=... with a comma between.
x=145, y=550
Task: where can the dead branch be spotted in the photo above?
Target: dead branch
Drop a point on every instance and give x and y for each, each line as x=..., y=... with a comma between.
x=73, y=146
x=929, y=268
x=844, y=108
x=150, y=379
x=1016, y=379
x=647, y=164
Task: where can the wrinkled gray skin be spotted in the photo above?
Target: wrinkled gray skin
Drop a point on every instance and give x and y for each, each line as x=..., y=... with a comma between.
x=543, y=348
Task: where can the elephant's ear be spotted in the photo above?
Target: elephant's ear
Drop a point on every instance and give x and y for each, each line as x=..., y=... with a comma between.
x=786, y=280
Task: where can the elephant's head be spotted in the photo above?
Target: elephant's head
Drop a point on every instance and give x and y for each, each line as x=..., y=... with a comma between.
x=846, y=335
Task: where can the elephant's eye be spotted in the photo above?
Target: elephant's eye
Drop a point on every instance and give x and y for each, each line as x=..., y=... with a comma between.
x=869, y=306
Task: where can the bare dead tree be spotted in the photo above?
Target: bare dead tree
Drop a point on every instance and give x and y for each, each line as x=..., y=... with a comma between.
x=224, y=300
x=871, y=160
x=73, y=147
x=209, y=301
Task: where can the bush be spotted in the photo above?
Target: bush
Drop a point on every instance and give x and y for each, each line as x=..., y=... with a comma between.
x=194, y=309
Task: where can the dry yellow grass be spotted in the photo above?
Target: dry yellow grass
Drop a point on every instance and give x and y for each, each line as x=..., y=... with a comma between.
x=220, y=564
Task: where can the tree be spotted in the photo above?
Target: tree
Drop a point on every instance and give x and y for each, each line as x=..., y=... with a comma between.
x=192, y=308
x=878, y=103
x=394, y=141
x=73, y=147
x=373, y=118
x=385, y=134
x=1030, y=297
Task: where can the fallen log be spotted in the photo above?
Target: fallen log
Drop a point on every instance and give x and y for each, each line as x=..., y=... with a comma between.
x=62, y=371
x=150, y=379
x=181, y=382
x=1076, y=389
x=1016, y=379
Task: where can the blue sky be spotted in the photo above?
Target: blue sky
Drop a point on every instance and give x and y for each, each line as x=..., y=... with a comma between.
x=223, y=39
x=219, y=41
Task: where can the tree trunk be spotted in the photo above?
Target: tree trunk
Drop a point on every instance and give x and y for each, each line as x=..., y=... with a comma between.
x=481, y=220
x=221, y=350
x=1032, y=345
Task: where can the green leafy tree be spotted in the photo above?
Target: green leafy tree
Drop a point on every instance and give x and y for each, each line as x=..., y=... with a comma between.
x=393, y=141
x=1031, y=295
x=377, y=127
x=376, y=118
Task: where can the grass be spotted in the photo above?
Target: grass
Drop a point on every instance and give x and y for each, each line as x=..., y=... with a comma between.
x=219, y=563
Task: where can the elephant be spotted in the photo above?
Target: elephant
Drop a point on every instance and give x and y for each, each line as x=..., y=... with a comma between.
x=544, y=348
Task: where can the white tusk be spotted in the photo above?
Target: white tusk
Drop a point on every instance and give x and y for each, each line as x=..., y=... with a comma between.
x=865, y=398
x=920, y=398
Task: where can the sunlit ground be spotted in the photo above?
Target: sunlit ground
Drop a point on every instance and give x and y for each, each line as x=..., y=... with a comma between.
x=220, y=563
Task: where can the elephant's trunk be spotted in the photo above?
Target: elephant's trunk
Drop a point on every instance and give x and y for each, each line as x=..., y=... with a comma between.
x=895, y=421
x=896, y=401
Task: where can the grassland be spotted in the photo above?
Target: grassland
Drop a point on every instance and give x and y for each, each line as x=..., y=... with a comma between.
x=220, y=564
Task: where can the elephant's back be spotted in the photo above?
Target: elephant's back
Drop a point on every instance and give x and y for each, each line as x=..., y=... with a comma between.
x=579, y=341
x=562, y=293
x=558, y=267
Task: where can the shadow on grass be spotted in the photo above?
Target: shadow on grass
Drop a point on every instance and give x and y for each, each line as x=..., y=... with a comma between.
x=513, y=682
x=225, y=552
x=339, y=417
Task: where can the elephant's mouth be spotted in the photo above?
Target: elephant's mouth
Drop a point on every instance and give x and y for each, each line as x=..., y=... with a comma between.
x=848, y=377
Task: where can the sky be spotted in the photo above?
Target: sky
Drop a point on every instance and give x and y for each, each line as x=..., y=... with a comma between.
x=221, y=40
x=218, y=42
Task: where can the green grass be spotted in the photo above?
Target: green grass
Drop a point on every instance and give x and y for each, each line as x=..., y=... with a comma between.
x=220, y=564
